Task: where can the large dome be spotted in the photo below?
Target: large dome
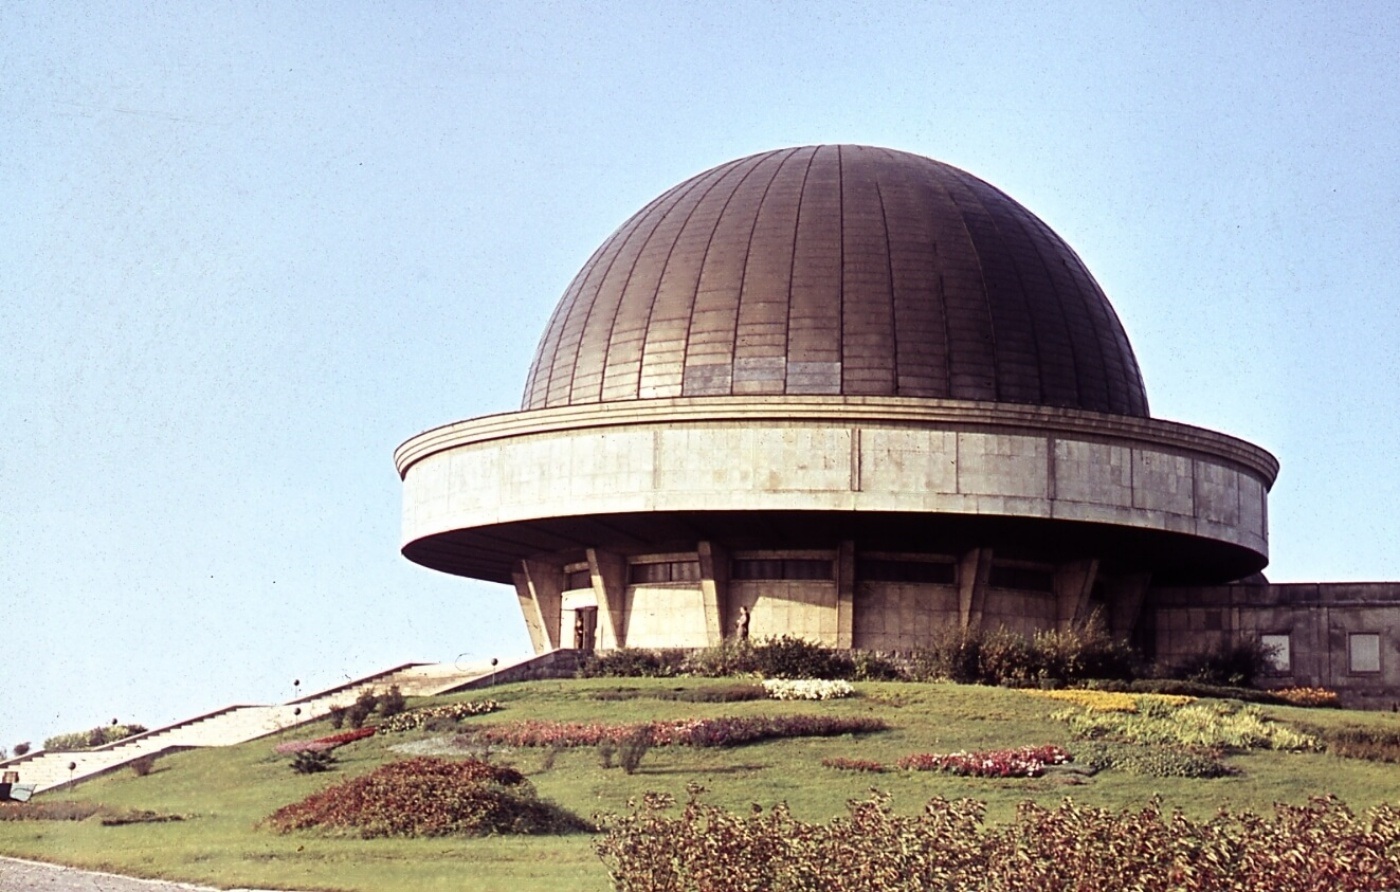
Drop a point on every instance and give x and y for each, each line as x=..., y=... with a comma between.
x=843, y=270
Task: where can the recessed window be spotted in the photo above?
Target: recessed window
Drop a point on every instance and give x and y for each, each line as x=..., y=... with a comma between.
x=1026, y=579
x=1278, y=653
x=1364, y=652
x=664, y=571
x=782, y=568
x=578, y=579
x=892, y=570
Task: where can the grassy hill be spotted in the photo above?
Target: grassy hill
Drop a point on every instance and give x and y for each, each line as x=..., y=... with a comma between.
x=223, y=795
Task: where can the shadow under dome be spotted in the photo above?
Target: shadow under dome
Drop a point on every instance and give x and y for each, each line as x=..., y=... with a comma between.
x=845, y=270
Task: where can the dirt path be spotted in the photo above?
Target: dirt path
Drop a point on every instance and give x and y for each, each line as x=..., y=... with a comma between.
x=36, y=876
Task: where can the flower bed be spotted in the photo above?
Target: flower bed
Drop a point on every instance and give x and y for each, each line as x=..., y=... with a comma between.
x=322, y=744
x=419, y=718
x=1113, y=701
x=807, y=689
x=1213, y=724
x=720, y=732
x=1314, y=697
x=1028, y=761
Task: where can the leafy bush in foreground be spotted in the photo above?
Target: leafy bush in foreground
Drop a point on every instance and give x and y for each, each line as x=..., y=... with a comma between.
x=429, y=797
x=1318, y=847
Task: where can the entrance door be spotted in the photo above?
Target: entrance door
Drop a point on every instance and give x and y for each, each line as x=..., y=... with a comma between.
x=585, y=628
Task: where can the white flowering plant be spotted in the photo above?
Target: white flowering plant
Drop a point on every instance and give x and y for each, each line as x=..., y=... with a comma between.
x=807, y=689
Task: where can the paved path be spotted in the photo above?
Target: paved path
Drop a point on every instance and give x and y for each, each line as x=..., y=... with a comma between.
x=36, y=876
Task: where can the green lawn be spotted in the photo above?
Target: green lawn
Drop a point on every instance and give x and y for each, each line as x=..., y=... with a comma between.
x=224, y=793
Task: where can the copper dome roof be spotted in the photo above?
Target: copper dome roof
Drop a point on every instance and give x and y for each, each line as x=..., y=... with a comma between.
x=843, y=270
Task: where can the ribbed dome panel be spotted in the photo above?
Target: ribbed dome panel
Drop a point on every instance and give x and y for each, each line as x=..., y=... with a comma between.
x=843, y=270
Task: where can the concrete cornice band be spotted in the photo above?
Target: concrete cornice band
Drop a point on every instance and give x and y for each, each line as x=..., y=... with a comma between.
x=939, y=414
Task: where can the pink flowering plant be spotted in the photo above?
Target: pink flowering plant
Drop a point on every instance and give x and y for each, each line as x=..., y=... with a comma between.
x=1027, y=761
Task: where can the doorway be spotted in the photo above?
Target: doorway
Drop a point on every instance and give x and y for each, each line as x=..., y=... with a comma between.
x=585, y=628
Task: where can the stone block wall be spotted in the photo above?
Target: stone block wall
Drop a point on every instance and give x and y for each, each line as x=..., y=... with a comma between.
x=1341, y=636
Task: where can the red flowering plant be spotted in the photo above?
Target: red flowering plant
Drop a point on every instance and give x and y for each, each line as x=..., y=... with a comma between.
x=1028, y=761
x=323, y=744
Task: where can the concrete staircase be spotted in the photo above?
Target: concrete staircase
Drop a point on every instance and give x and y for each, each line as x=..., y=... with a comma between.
x=49, y=769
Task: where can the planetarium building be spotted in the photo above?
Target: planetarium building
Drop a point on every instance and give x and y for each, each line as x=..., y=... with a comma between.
x=862, y=397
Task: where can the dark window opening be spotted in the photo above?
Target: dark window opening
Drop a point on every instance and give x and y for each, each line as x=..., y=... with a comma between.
x=783, y=568
x=578, y=579
x=664, y=571
x=1023, y=578
x=889, y=570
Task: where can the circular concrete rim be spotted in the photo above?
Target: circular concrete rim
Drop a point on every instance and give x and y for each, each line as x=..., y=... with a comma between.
x=944, y=413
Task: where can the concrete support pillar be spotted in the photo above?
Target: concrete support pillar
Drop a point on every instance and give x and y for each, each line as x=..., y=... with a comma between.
x=714, y=591
x=1074, y=583
x=544, y=587
x=609, y=574
x=974, y=568
x=529, y=608
x=845, y=593
x=1125, y=594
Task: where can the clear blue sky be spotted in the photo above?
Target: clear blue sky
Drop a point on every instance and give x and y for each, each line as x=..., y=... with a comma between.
x=249, y=248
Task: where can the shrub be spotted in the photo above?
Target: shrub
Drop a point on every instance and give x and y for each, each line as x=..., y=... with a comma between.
x=871, y=666
x=429, y=797
x=392, y=702
x=1317, y=847
x=99, y=736
x=1237, y=664
x=1084, y=652
x=363, y=707
x=789, y=657
x=728, y=658
x=337, y=717
x=144, y=765
x=633, y=662
x=807, y=689
x=312, y=761
x=438, y=718
x=22, y=749
x=633, y=748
